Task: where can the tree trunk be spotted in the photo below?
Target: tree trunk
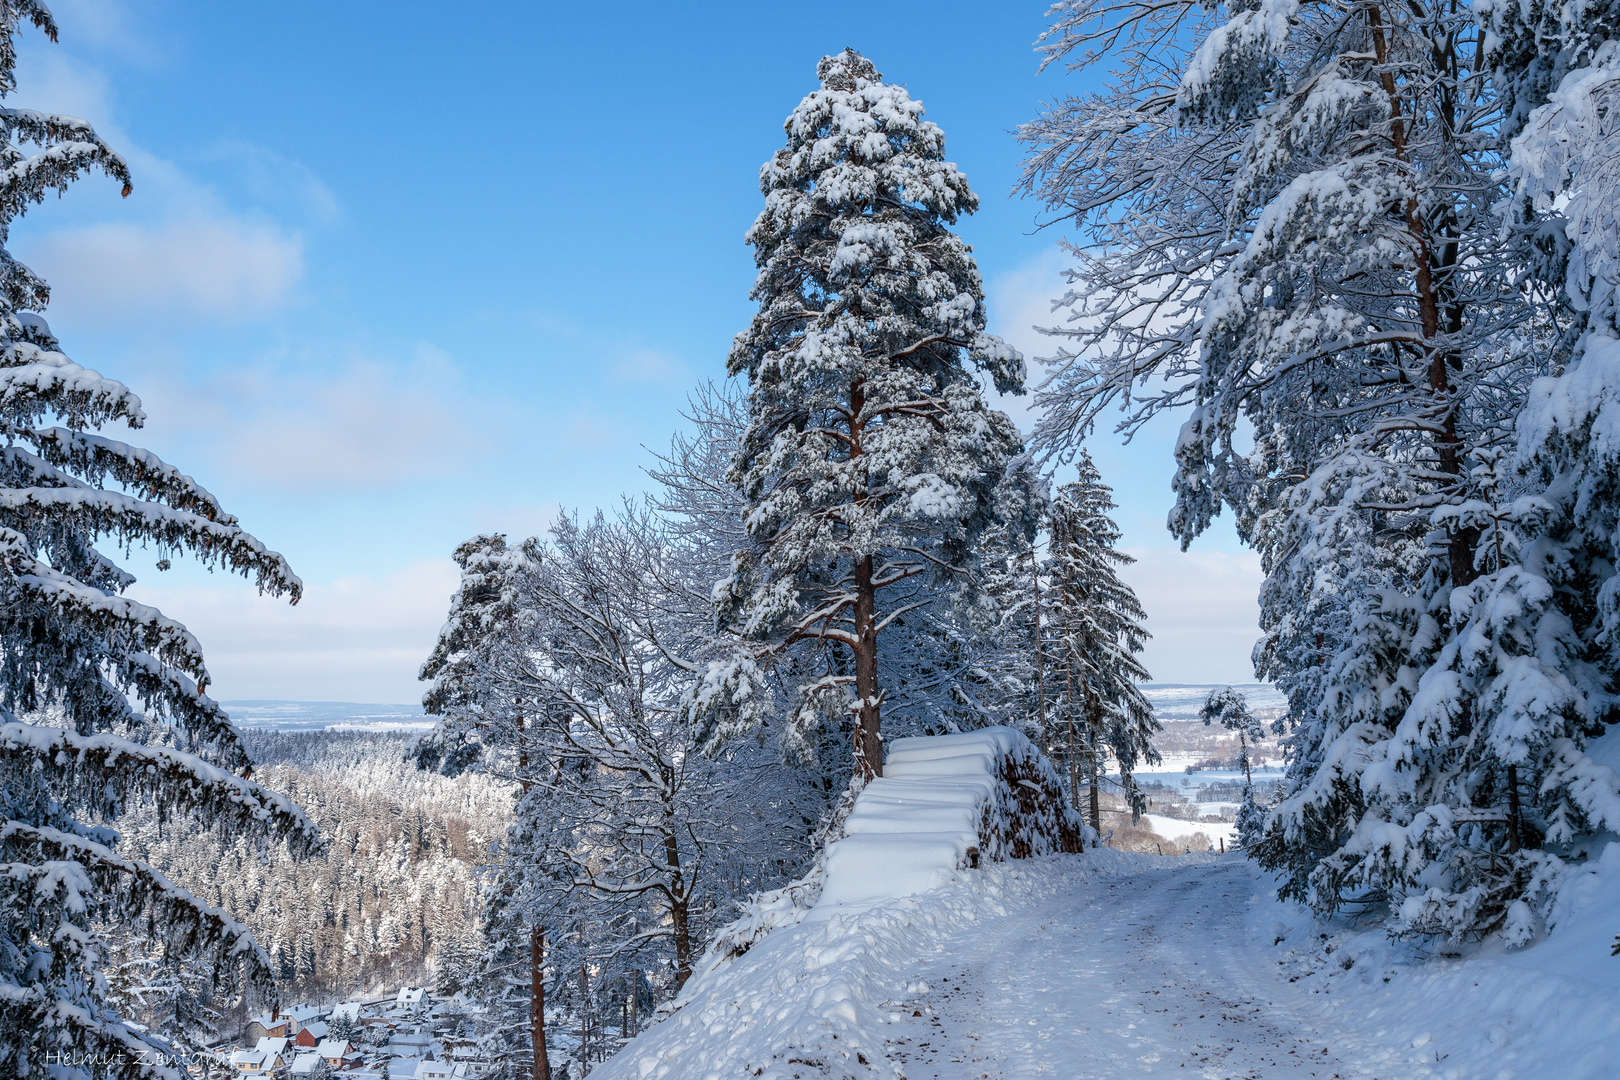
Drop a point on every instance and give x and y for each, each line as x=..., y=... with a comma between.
x=1040, y=659
x=1515, y=814
x=541, y=1069
x=868, y=743
x=678, y=914
x=1448, y=447
x=1073, y=756
x=1094, y=729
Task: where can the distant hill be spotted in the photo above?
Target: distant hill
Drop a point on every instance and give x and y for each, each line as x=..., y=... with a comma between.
x=1181, y=701
x=1171, y=702
x=320, y=715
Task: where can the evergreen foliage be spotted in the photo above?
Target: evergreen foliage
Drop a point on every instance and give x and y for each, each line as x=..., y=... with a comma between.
x=1360, y=231
x=1231, y=708
x=871, y=464
x=75, y=753
x=1091, y=632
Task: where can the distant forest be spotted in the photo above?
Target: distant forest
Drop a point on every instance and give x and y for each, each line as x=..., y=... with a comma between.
x=399, y=888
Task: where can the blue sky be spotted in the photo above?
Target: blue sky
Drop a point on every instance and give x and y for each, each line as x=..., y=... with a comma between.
x=397, y=273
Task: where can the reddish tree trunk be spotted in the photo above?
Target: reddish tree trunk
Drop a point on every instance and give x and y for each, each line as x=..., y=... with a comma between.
x=537, y=1005
x=868, y=743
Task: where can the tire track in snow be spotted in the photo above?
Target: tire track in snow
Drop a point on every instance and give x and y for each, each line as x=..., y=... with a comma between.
x=1148, y=975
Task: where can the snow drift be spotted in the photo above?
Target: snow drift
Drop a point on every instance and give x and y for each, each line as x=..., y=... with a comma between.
x=943, y=804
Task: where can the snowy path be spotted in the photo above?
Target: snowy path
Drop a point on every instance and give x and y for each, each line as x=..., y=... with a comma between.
x=1148, y=975
x=1110, y=965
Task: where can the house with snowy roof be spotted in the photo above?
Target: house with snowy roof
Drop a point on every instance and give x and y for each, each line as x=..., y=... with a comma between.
x=410, y=1043
x=282, y=1024
x=268, y=1055
x=270, y=1025
x=411, y=995
x=441, y=1070
x=305, y=1064
x=335, y=1052
x=310, y=1034
x=348, y=1010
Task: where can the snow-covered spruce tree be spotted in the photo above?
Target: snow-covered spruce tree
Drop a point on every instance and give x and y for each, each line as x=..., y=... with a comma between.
x=1091, y=631
x=1335, y=278
x=1231, y=708
x=75, y=753
x=1492, y=748
x=1485, y=778
x=871, y=462
x=482, y=725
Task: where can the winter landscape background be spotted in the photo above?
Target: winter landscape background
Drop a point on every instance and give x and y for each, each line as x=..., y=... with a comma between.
x=913, y=542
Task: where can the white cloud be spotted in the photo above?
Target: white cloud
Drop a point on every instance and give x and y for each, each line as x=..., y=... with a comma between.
x=652, y=366
x=1016, y=303
x=365, y=425
x=214, y=270
x=104, y=25
x=358, y=639
x=1202, y=612
x=176, y=249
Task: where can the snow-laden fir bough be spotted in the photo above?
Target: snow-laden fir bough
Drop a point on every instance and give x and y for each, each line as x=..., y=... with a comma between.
x=74, y=753
x=1305, y=227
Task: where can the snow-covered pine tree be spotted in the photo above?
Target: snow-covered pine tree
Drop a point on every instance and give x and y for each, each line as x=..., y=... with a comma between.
x=75, y=754
x=1091, y=631
x=1231, y=708
x=871, y=462
x=1481, y=799
x=1487, y=777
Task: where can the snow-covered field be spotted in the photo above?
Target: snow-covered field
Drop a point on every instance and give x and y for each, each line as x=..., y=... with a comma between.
x=1109, y=964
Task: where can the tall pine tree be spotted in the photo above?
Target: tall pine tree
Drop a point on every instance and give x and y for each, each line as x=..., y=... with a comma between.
x=75, y=753
x=871, y=462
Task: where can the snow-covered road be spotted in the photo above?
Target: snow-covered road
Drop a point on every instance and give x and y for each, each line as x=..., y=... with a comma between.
x=1189, y=968
x=1108, y=965
x=1149, y=975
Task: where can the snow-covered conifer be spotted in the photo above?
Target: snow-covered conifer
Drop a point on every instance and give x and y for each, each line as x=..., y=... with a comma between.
x=1231, y=708
x=1298, y=234
x=1091, y=631
x=871, y=462
x=75, y=753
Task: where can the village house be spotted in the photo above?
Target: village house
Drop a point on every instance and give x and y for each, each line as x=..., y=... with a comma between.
x=305, y=1064
x=441, y=1070
x=267, y=1056
x=337, y=1053
x=271, y=1025
x=278, y=1024
x=310, y=1034
x=347, y=1010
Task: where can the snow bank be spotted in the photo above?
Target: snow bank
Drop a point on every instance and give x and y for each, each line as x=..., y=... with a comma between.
x=944, y=803
x=1548, y=1011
